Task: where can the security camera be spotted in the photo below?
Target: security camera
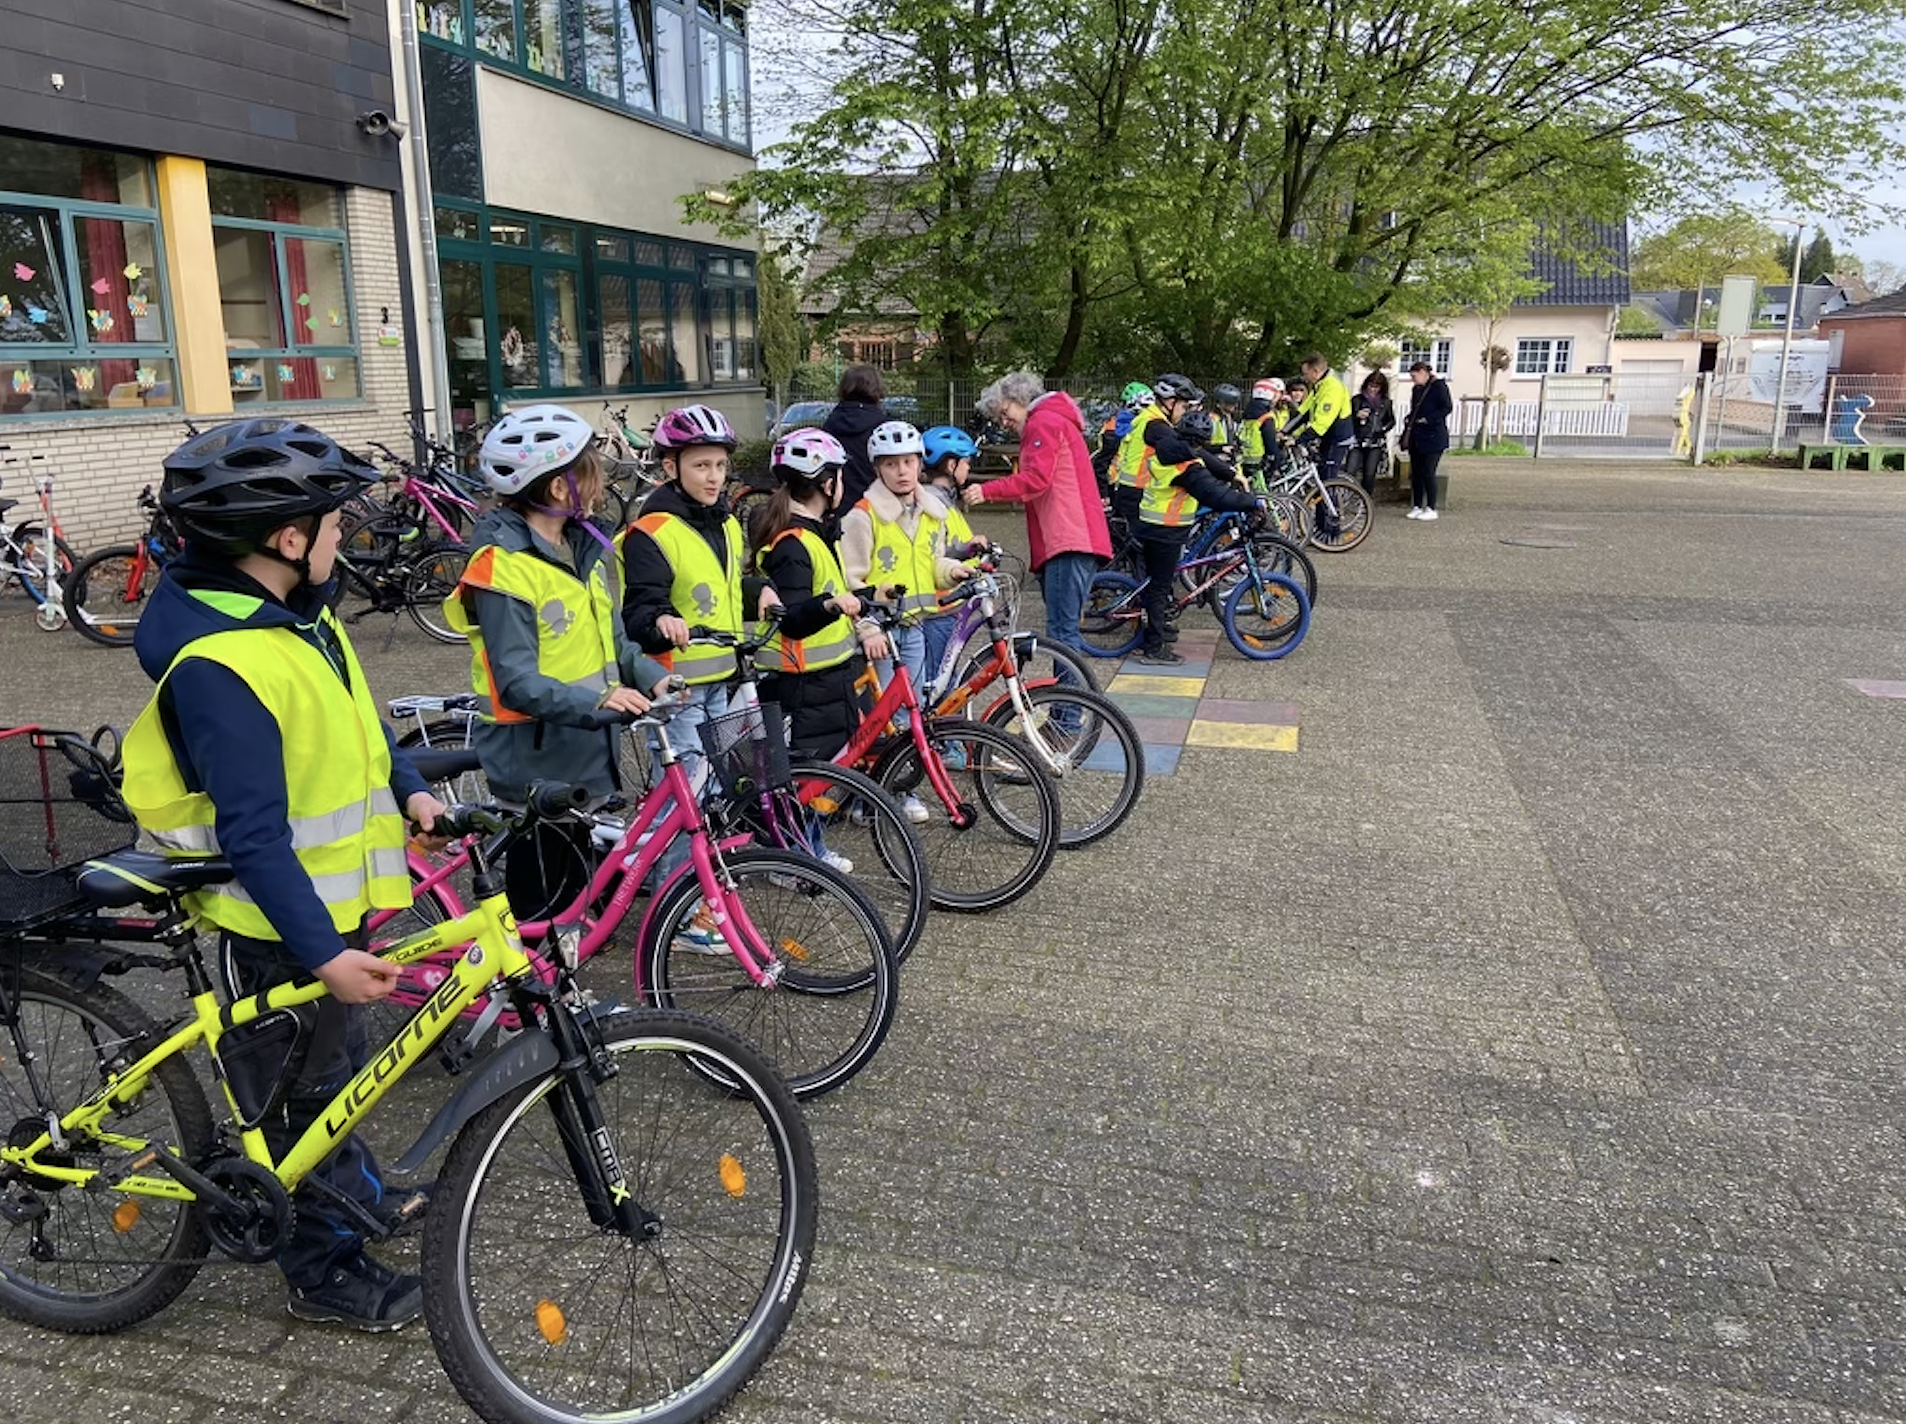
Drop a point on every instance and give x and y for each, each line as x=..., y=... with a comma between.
x=376, y=123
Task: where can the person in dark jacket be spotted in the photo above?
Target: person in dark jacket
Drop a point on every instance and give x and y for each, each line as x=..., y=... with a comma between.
x=237, y=625
x=1372, y=418
x=858, y=409
x=1426, y=437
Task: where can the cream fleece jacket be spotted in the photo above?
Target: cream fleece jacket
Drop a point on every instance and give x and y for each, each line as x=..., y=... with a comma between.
x=857, y=532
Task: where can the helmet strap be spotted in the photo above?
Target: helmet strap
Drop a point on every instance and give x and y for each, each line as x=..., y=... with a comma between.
x=575, y=513
x=302, y=564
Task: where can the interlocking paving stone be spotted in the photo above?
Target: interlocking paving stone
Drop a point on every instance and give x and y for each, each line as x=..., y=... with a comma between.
x=1230, y=709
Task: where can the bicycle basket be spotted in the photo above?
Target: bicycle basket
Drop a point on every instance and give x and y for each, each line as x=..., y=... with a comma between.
x=742, y=765
x=59, y=808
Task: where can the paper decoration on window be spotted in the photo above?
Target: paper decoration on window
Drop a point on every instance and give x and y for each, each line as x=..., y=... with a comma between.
x=85, y=377
x=134, y=272
x=285, y=373
x=102, y=286
x=242, y=376
x=6, y=308
x=36, y=315
x=137, y=305
x=336, y=316
x=311, y=323
x=148, y=377
x=304, y=299
x=23, y=272
x=330, y=373
x=23, y=382
x=102, y=321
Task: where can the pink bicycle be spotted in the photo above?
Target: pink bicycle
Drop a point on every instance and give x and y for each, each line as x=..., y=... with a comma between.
x=776, y=945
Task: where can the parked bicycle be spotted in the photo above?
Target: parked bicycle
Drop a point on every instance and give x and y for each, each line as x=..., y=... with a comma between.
x=1339, y=514
x=27, y=557
x=108, y=589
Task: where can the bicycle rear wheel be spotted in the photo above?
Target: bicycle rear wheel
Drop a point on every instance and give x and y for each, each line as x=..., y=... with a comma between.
x=826, y=1010
x=107, y=591
x=1113, y=622
x=1348, y=526
x=998, y=840
x=431, y=578
x=1268, y=623
x=541, y=1314
x=72, y=1259
x=845, y=811
x=1102, y=760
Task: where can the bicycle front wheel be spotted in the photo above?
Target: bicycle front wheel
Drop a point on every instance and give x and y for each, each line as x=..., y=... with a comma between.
x=107, y=591
x=1267, y=622
x=542, y=1314
x=833, y=985
x=1340, y=516
x=1113, y=621
x=431, y=578
x=1101, y=760
x=845, y=811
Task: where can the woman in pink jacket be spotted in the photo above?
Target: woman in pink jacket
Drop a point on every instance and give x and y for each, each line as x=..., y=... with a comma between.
x=1065, y=518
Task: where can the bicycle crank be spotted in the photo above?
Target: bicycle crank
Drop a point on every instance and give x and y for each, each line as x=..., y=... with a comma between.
x=257, y=1216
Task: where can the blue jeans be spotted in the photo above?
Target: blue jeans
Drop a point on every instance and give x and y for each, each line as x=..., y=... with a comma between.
x=1065, y=580
x=910, y=651
x=937, y=632
x=684, y=735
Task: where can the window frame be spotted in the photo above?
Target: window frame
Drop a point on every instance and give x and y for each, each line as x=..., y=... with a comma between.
x=83, y=350
x=1558, y=356
x=1438, y=351
x=293, y=350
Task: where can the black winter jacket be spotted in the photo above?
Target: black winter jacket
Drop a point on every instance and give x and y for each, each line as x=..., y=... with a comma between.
x=851, y=422
x=821, y=706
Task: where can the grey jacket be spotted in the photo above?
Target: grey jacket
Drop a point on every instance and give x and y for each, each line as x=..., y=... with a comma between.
x=551, y=748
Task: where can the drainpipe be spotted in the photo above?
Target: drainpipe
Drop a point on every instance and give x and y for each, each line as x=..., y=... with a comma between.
x=438, y=422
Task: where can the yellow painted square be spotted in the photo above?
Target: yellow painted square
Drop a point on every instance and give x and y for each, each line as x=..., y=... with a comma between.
x=1134, y=682
x=1242, y=734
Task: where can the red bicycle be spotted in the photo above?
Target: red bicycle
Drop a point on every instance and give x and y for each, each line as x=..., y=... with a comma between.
x=108, y=589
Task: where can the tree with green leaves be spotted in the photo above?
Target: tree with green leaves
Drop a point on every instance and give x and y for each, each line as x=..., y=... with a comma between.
x=1817, y=261
x=778, y=316
x=1699, y=249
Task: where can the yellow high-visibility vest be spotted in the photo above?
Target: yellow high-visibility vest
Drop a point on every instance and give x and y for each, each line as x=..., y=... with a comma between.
x=575, y=623
x=832, y=645
x=703, y=593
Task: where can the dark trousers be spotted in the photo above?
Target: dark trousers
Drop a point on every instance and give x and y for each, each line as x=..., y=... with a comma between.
x=1362, y=466
x=337, y=1044
x=1334, y=447
x=1423, y=465
x=1162, y=552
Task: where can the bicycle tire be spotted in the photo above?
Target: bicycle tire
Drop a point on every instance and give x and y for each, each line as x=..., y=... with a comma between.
x=694, y=1152
x=892, y=870
x=1279, y=555
x=26, y=539
x=1354, y=517
x=1031, y=836
x=1062, y=660
x=112, y=626
x=846, y=976
x=430, y=577
x=163, y=1254
x=1111, y=622
x=1107, y=723
x=1278, y=637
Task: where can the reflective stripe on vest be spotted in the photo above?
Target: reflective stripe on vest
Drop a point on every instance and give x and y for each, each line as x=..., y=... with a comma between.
x=1164, y=502
x=345, y=826
x=833, y=644
x=703, y=592
x=1133, y=466
x=575, y=623
x=898, y=558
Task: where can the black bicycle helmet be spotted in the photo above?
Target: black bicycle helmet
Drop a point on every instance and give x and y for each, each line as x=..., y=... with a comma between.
x=1196, y=426
x=1171, y=387
x=1227, y=397
x=228, y=488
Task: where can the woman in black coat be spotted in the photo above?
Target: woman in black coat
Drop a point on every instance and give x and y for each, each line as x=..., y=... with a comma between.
x=858, y=409
x=1427, y=437
x=1372, y=418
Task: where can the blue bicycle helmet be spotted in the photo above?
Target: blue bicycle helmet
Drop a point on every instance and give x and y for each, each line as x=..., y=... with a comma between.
x=948, y=442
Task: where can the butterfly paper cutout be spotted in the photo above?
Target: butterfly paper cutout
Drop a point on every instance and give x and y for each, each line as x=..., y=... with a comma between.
x=148, y=378
x=23, y=272
x=23, y=383
x=102, y=321
x=137, y=305
x=337, y=317
x=330, y=373
x=85, y=377
x=102, y=286
x=241, y=375
x=36, y=315
x=6, y=308
x=134, y=272
x=285, y=374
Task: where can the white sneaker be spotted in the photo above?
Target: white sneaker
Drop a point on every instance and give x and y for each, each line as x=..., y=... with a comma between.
x=838, y=861
x=1429, y=514
x=914, y=810
x=1416, y=512
x=701, y=936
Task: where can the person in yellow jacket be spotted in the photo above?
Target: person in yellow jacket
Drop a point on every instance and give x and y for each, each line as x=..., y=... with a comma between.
x=546, y=641
x=262, y=744
x=1153, y=424
x=1324, y=416
x=897, y=534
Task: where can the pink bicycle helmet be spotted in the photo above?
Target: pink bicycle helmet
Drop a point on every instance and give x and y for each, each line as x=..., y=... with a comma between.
x=808, y=452
x=694, y=425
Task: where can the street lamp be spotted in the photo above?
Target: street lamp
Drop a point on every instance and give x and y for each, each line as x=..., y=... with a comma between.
x=1786, y=341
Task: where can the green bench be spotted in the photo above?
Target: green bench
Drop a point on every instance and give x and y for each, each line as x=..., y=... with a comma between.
x=1840, y=457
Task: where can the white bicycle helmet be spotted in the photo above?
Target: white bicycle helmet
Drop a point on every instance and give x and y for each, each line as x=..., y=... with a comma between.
x=808, y=452
x=527, y=444
x=1269, y=388
x=895, y=437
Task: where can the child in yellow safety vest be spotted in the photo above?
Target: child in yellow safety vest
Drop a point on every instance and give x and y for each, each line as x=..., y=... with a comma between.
x=897, y=534
x=546, y=643
x=948, y=453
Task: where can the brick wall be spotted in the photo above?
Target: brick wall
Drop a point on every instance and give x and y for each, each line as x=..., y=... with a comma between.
x=100, y=462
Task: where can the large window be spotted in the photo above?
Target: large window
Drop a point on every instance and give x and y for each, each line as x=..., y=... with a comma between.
x=284, y=288
x=538, y=306
x=682, y=61
x=1544, y=355
x=83, y=320
x=1435, y=353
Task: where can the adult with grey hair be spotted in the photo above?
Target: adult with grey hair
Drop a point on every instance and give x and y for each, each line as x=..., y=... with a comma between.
x=1065, y=519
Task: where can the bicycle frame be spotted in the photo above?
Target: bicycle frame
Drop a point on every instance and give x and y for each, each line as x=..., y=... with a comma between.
x=899, y=696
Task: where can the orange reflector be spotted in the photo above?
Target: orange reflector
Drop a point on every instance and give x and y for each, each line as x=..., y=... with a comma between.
x=733, y=1176
x=826, y=805
x=125, y=1216
x=549, y=1320
x=794, y=949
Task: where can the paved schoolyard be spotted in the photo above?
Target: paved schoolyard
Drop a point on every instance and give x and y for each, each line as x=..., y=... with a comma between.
x=1525, y=1046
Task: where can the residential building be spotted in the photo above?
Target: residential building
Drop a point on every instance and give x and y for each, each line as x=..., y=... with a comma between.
x=561, y=137
x=1835, y=291
x=1869, y=338
x=194, y=222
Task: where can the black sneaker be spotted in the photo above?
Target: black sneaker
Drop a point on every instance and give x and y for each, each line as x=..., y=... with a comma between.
x=1161, y=657
x=362, y=1293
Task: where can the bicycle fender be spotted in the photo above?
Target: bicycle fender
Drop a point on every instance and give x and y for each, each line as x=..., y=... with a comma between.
x=524, y=1059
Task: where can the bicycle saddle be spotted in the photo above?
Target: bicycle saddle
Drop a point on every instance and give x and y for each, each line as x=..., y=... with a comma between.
x=6, y=504
x=443, y=763
x=143, y=877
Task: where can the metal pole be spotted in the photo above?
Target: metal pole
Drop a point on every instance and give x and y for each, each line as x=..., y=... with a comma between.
x=1833, y=382
x=1541, y=415
x=1786, y=341
x=1702, y=387
x=1720, y=416
x=440, y=421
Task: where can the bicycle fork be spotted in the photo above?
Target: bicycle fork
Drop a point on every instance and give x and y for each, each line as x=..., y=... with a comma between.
x=587, y=1141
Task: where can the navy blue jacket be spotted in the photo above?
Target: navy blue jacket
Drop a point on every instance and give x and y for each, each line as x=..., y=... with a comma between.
x=1430, y=408
x=228, y=745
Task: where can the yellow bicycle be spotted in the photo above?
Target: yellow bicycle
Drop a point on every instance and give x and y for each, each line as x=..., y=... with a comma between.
x=622, y=1226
